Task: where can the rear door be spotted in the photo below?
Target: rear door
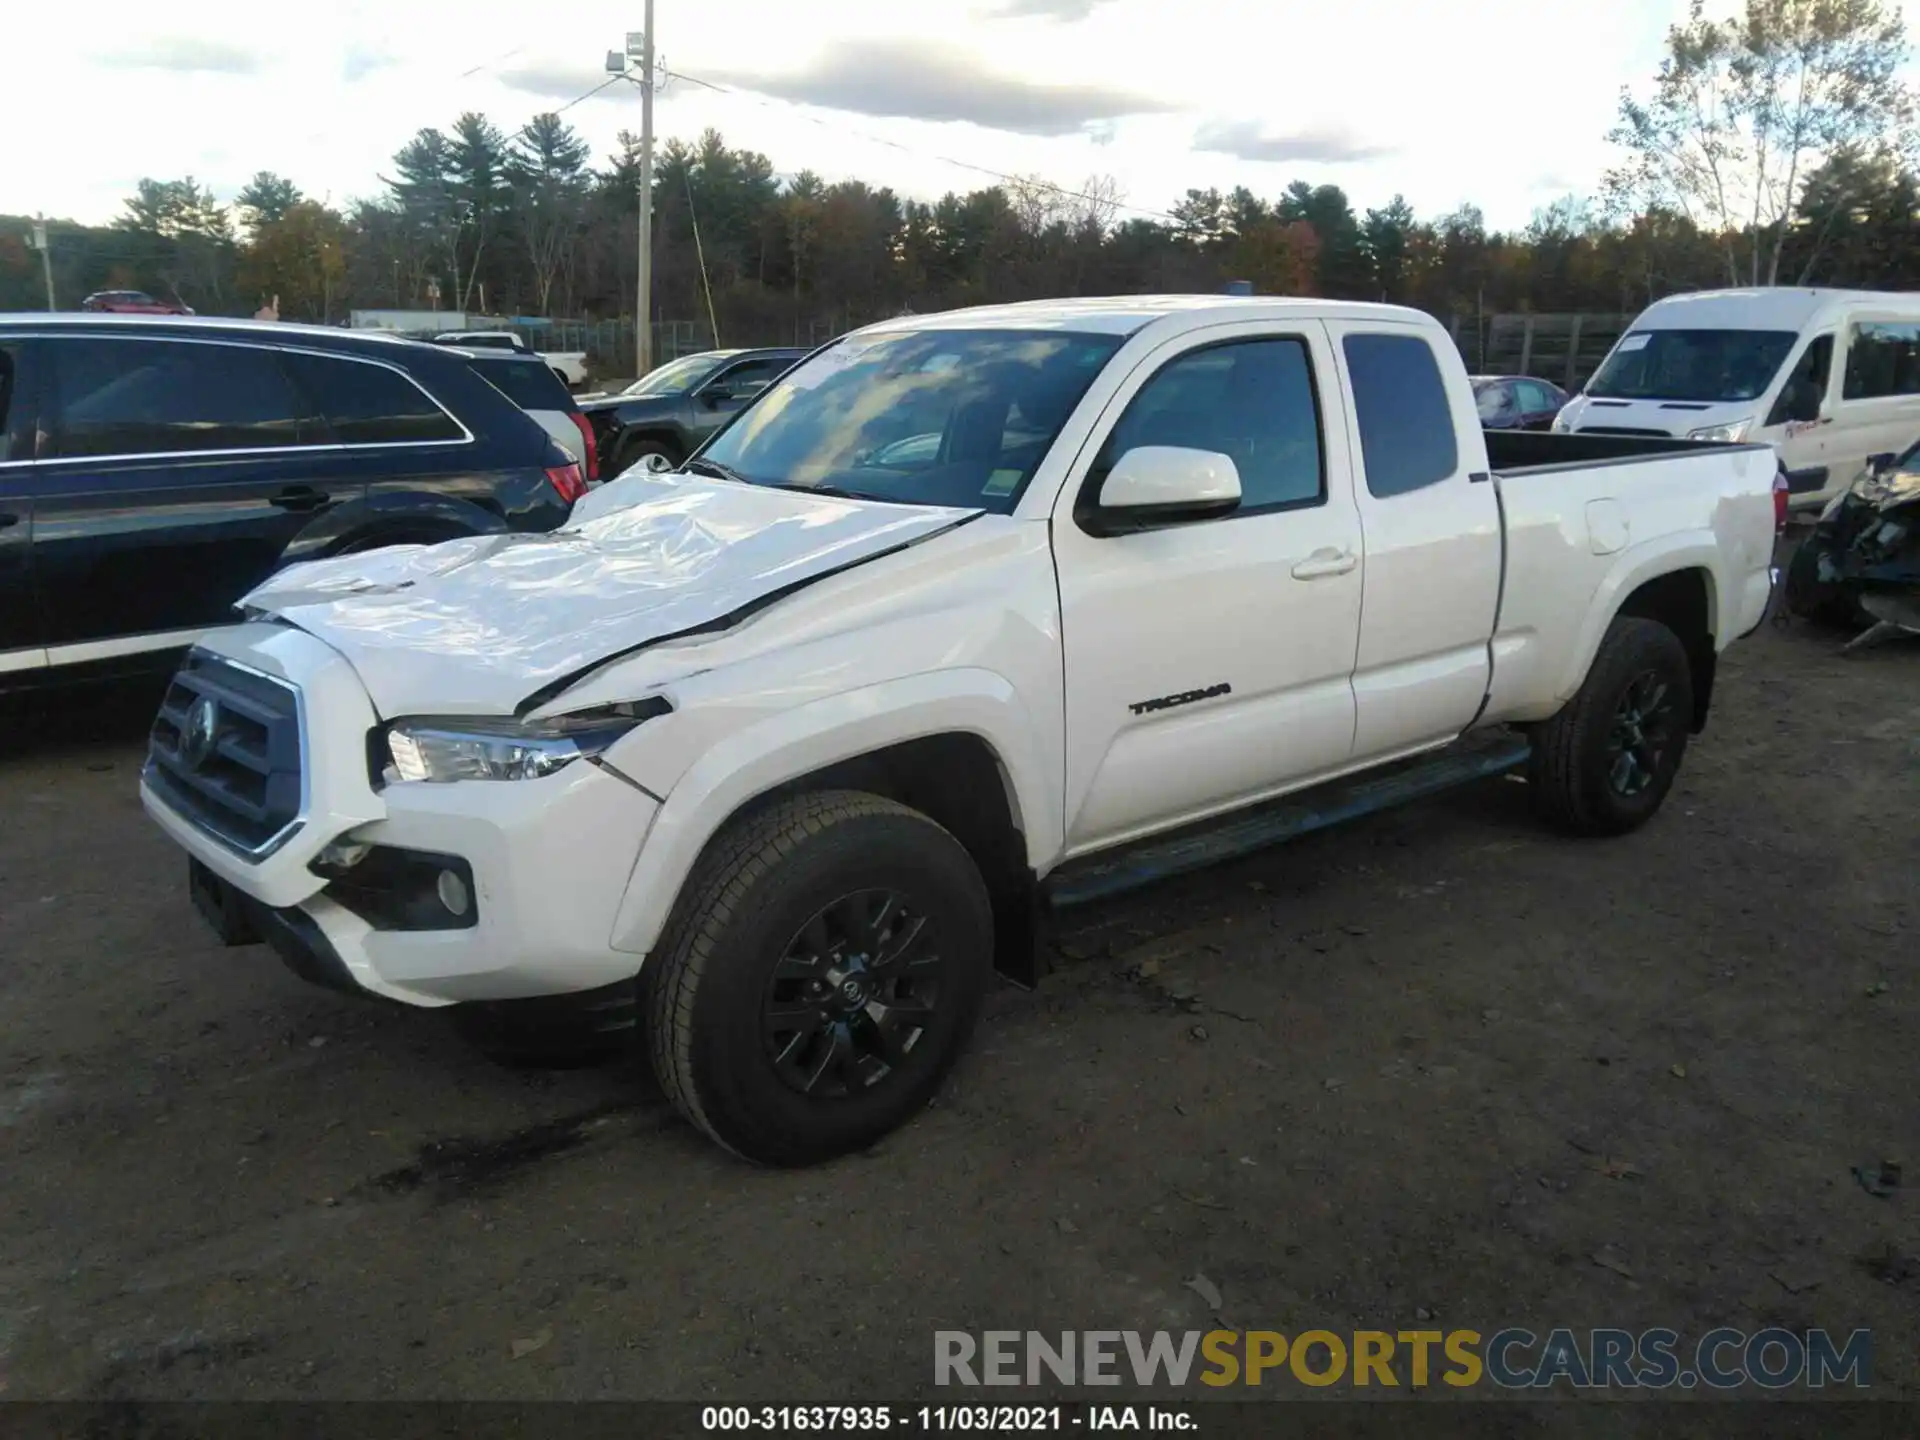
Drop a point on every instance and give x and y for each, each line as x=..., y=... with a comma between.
x=173, y=475
x=1431, y=522
x=20, y=644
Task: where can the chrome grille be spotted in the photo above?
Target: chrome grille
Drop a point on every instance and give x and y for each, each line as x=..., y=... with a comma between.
x=225, y=753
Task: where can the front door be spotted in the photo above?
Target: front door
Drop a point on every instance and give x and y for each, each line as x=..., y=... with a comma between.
x=175, y=475
x=1802, y=416
x=1209, y=662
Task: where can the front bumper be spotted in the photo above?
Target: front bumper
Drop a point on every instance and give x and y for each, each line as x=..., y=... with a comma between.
x=549, y=859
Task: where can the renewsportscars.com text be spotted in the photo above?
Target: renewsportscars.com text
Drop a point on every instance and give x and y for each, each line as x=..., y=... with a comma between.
x=1511, y=1358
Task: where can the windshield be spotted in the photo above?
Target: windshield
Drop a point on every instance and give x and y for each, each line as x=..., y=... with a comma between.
x=1712, y=366
x=676, y=376
x=918, y=417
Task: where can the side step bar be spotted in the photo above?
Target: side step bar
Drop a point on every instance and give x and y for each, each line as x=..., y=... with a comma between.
x=1128, y=867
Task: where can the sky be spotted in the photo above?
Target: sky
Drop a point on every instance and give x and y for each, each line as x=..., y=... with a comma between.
x=1502, y=103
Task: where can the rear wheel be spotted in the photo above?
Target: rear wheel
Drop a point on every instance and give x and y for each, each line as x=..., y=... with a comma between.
x=821, y=973
x=1604, y=764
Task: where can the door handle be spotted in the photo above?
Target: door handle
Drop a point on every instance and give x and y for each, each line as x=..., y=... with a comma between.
x=300, y=499
x=1323, y=563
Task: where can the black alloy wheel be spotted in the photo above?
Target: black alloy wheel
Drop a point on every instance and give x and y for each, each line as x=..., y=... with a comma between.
x=852, y=994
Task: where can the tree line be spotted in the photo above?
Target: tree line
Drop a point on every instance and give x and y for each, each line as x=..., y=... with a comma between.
x=1773, y=147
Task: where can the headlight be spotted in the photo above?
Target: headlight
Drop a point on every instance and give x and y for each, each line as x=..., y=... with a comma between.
x=1559, y=425
x=481, y=748
x=1731, y=433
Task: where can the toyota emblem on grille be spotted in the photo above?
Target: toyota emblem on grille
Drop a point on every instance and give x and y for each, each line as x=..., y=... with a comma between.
x=199, y=734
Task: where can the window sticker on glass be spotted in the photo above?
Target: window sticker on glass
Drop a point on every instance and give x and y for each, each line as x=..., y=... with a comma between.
x=825, y=365
x=1001, y=482
x=1635, y=342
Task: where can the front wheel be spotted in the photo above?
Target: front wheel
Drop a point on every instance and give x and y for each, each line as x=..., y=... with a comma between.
x=1604, y=764
x=635, y=453
x=820, y=975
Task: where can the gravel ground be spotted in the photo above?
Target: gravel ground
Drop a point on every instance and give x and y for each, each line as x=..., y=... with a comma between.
x=1436, y=1064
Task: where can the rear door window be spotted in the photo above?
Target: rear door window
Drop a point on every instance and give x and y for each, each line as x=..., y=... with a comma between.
x=1883, y=359
x=113, y=396
x=365, y=403
x=1407, y=439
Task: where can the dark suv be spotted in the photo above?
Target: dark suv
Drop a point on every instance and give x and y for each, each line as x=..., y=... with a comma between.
x=674, y=410
x=153, y=471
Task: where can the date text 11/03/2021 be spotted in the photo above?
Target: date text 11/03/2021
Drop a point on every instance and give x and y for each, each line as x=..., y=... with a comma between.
x=936, y=1419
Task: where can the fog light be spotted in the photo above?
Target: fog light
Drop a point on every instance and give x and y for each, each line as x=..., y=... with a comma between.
x=453, y=893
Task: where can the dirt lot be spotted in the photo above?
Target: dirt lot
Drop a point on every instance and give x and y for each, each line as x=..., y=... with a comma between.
x=1436, y=1064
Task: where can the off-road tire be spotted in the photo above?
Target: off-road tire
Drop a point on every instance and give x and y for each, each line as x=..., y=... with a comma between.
x=757, y=884
x=1568, y=772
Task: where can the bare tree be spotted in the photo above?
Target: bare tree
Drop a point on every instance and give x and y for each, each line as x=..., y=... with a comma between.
x=1743, y=108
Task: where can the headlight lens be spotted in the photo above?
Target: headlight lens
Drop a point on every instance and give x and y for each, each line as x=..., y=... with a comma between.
x=1731, y=433
x=481, y=748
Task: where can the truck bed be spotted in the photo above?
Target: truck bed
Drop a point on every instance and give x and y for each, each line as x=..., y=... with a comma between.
x=1517, y=452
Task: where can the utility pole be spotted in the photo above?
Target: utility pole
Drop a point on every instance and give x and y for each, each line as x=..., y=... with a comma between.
x=640, y=51
x=39, y=242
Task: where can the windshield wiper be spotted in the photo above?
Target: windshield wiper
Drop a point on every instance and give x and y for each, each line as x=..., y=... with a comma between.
x=703, y=466
x=833, y=490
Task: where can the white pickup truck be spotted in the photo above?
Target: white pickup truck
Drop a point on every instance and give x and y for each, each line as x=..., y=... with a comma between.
x=783, y=751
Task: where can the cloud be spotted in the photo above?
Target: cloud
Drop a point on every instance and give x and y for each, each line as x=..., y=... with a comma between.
x=910, y=80
x=361, y=61
x=1247, y=140
x=186, y=55
x=1067, y=10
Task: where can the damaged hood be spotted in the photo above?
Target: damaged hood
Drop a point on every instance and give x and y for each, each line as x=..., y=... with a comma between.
x=487, y=624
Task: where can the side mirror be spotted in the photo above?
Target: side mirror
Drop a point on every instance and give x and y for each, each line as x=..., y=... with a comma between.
x=1880, y=465
x=1168, y=482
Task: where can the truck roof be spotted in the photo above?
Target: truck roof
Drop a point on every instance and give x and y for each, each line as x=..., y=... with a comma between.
x=1765, y=308
x=1124, y=314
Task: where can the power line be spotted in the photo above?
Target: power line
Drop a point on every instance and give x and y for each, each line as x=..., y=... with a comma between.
x=1000, y=175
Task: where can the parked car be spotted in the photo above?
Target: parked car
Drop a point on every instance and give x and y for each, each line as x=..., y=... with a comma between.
x=569, y=365
x=152, y=471
x=672, y=411
x=131, y=302
x=1831, y=378
x=1861, y=562
x=531, y=385
x=1516, y=402
x=786, y=749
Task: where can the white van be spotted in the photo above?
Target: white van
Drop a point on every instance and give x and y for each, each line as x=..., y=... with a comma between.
x=1829, y=378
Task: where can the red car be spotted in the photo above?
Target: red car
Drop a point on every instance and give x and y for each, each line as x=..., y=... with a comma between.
x=131, y=302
